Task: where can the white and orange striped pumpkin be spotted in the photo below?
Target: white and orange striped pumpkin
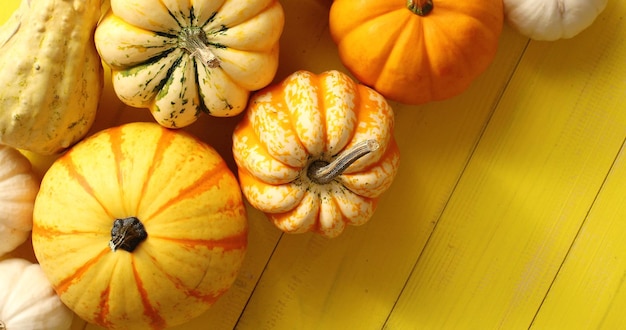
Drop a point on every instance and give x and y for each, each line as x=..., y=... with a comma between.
x=315, y=152
x=140, y=227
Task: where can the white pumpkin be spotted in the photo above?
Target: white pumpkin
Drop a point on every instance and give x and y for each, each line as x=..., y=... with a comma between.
x=27, y=300
x=551, y=20
x=18, y=188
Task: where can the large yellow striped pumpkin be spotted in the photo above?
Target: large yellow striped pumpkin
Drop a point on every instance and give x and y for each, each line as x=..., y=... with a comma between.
x=140, y=227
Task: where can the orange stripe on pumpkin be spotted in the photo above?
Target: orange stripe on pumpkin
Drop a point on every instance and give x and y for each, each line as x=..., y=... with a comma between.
x=49, y=232
x=74, y=173
x=234, y=242
x=208, y=298
x=103, y=309
x=116, y=140
x=63, y=285
x=156, y=321
x=201, y=185
x=163, y=144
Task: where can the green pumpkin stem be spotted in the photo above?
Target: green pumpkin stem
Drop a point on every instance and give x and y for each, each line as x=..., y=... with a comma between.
x=322, y=172
x=126, y=234
x=420, y=7
x=196, y=43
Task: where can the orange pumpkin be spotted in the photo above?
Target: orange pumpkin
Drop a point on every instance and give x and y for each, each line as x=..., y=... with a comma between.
x=416, y=51
x=315, y=152
x=140, y=227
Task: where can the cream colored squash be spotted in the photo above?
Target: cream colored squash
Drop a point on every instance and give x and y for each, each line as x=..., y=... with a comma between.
x=181, y=58
x=27, y=300
x=18, y=188
x=552, y=19
x=50, y=73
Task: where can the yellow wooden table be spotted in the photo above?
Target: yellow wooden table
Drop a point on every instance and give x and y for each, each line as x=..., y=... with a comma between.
x=509, y=209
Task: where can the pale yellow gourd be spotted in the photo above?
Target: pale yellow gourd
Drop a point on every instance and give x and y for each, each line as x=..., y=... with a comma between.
x=51, y=74
x=18, y=188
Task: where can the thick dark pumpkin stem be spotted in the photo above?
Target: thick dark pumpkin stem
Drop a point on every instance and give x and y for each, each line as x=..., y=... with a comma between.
x=420, y=7
x=126, y=234
x=322, y=172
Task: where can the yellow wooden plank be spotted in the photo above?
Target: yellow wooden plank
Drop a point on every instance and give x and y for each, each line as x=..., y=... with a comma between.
x=589, y=291
x=527, y=188
x=352, y=281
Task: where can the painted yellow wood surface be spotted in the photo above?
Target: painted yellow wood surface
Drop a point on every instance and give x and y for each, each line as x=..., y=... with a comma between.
x=509, y=209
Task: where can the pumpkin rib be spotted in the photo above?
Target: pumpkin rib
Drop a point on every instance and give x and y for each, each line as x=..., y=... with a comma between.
x=208, y=298
x=410, y=26
x=156, y=321
x=338, y=112
x=375, y=66
x=158, y=19
x=163, y=144
x=371, y=118
x=253, y=155
x=274, y=132
x=178, y=95
x=229, y=243
x=367, y=12
x=208, y=18
x=74, y=173
x=301, y=218
x=209, y=178
x=104, y=308
x=145, y=86
x=271, y=197
x=63, y=285
x=232, y=9
x=302, y=101
x=220, y=34
x=50, y=232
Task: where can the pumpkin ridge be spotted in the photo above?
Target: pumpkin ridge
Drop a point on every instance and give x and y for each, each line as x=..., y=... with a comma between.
x=51, y=232
x=163, y=144
x=104, y=308
x=376, y=70
x=116, y=141
x=228, y=243
x=189, y=291
x=174, y=17
x=70, y=165
x=64, y=284
x=371, y=16
x=156, y=321
x=208, y=179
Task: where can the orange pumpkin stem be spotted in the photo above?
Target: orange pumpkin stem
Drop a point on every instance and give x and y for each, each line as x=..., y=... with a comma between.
x=322, y=172
x=420, y=7
x=126, y=234
x=195, y=42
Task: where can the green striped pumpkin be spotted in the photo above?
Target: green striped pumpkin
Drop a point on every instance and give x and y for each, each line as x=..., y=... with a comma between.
x=181, y=59
x=140, y=227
